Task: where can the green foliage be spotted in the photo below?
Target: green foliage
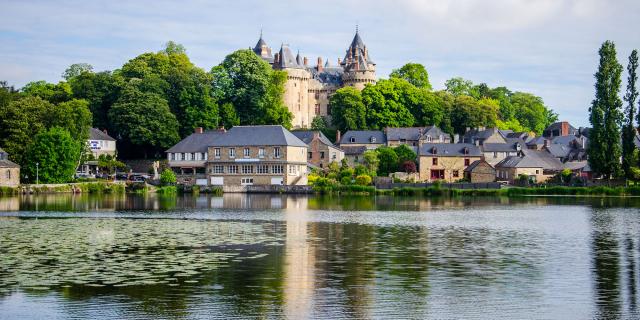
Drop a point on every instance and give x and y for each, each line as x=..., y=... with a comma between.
x=629, y=156
x=348, y=111
x=76, y=69
x=7, y=94
x=389, y=103
x=468, y=112
x=54, y=93
x=605, y=116
x=319, y=123
x=461, y=87
x=405, y=153
x=363, y=180
x=531, y=112
x=144, y=120
x=56, y=154
x=100, y=90
x=414, y=73
x=253, y=87
x=371, y=161
x=388, y=161
x=109, y=163
x=168, y=177
x=228, y=116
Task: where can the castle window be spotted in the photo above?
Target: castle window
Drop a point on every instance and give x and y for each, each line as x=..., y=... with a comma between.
x=317, y=108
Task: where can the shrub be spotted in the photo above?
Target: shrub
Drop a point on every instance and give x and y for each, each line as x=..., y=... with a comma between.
x=168, y=178
x=363, y=180
x=345, y=180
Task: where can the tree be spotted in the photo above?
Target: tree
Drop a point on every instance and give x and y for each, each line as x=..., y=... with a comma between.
x=459, y=86
x=388, y=161
x=7, y=94
x=371, y=161
x=363, y=180
x=405, y=153
x=629, y=129
x=408, y=167
x=144, y=122
x=76, y=69
x=174, y=48
x=109, y=163
x=470, y=113
x=253, y=87
x=388, y=103
x=531, y=112
x=319, y=123
x=54, y=93
x=168, y=177
x=74, y=116
x=56, y=154
x=605, y=115
x=414, y=73
x=101, y=90
x=228, y=116
x=347, y=109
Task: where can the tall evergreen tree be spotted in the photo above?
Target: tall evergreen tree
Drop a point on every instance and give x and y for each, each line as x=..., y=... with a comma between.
x=629, y=130
x=606, y=115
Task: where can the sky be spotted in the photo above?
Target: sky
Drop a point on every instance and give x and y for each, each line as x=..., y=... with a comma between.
x=546, y=47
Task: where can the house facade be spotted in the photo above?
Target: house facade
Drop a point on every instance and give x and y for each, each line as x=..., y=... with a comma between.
x=9, y=171
x=538, y=165
x=188, y=158
x=321, y=151
x=257, y=155
x=480, y=171
x=101, y=143
x=446, y=161
x=355, y=143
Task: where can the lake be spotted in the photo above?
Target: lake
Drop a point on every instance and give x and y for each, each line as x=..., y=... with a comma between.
x=317, y=257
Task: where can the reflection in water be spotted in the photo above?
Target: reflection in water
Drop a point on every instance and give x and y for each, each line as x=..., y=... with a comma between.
x=297, y=257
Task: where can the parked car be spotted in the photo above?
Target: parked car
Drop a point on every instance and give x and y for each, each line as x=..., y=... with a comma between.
x=80, y=175
x=122, y=176
x=138, y=178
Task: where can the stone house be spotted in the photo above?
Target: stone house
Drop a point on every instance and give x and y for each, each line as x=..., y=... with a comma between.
x=188, y=158
x=355, y=142
x=481, y=135
x=9, y=171
x=496, y=152
x=446, y=161
x=321, y=151
x=257, y=155
x=480, y=171
x=414, y=136
x=538, y=165
x=559, y=129
x=99, y=143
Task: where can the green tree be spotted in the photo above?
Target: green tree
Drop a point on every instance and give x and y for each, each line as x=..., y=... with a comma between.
x=605, y=115
x=54, y=93
x=253, y=87
x=144, y=122
x=168, y=177
x=101, y=90
x=7, y=94
x=470, y=113
x=388, y=161
x=531, y=112
x=347, y=109
x=319, y=123
x=228, y=116
x=109, y=163
x=74, y=116
x=629, y=129
x=405, y=153
x=458, y=87
x=363, y=180
x=174, y=48
x=388, y=103
x=371, y=161
x=414, y=73
x=56, y=154
x=76, y=69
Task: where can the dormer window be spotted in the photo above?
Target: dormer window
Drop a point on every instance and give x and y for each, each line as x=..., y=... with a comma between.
x=429, y=139
x=373, y=140
x=465, y=150
x=434, y=150
x=352, y=139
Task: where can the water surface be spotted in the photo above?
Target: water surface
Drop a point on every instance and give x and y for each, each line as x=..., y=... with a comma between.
x=298, y=257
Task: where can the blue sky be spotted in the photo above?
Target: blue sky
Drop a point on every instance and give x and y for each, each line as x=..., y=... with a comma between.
x=547, y=47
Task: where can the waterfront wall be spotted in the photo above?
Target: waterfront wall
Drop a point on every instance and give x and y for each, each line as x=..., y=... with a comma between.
x=487, y=185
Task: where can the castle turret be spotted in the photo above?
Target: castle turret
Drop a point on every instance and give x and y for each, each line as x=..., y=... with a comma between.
x=359, y=69
x=262, y=50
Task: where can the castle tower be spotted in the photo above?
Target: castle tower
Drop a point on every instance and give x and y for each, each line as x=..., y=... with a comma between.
x=358, y=67
x=262, y=50
x=296, y=89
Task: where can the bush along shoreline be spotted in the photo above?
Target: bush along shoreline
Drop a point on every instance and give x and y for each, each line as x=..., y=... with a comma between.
x=517, y=191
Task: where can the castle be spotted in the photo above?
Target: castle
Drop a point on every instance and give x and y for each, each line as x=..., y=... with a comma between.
x=309, y=87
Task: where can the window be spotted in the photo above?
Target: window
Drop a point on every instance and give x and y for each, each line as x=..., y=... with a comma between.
x=277, y=169
x=261, y=153
x=276, y=152
x=373, y=139
x=247, y=169
x=216, y=153
x=456, y=173
x=333, y=155
x=429, y=139
x=434, y=161
x=233, y=169
x=537, y=171
x=263, y=168
x=246, y=152
x=218, y=169
x=466, y=162
x=310, y=155
x=8, y=174
x=495, y=154
x=317, y=108
x=293, y=169
x=352, y=139
x=197, y=157
x=246, y=181
x=321, y=154
x=232, y=152
x=355, y=159
x=205, y=156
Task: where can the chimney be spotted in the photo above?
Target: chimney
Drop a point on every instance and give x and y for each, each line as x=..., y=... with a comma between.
x=546, y=143
x=105, y=131
x=276, y=58
x=222, y=129
x=339, y=61
x=316, y=135
x=564, y=128
x=319, y=64
x=338, y=136
x=305, y=61
x=198, y=130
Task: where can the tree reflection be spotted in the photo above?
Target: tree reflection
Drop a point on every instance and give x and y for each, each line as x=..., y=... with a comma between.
x=606, y=266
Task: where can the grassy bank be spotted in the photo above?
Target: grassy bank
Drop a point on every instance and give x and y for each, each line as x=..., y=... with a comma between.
x=345, y=190
x=514, y=192
x=87, y=187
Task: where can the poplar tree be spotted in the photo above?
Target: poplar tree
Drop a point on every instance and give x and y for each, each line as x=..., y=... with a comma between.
x=606, y=115
x=629, y=130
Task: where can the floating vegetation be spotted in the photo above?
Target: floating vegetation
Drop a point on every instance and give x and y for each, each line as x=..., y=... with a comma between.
x=41, y=254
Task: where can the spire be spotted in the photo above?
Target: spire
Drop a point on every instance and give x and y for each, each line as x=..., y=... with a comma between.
x=261, y=48
x=298, y=58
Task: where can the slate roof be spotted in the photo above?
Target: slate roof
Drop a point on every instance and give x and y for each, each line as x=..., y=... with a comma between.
x=475, y=134
x=510, y=146
x=536, y=141
x=363, y=137
x=413, y=133
x=559, y=150
x=196, y=142
x=286, y=58
x=327, y=75
x=576, y=165
x=450, y=150
x=96, y=134
x=307, y=136
x=272, y=135
x=519, y=135
x=564, y=140
x=354, y=150
x=474, y=164
x=532, y=159
x=558, y=126
x=8, y=164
